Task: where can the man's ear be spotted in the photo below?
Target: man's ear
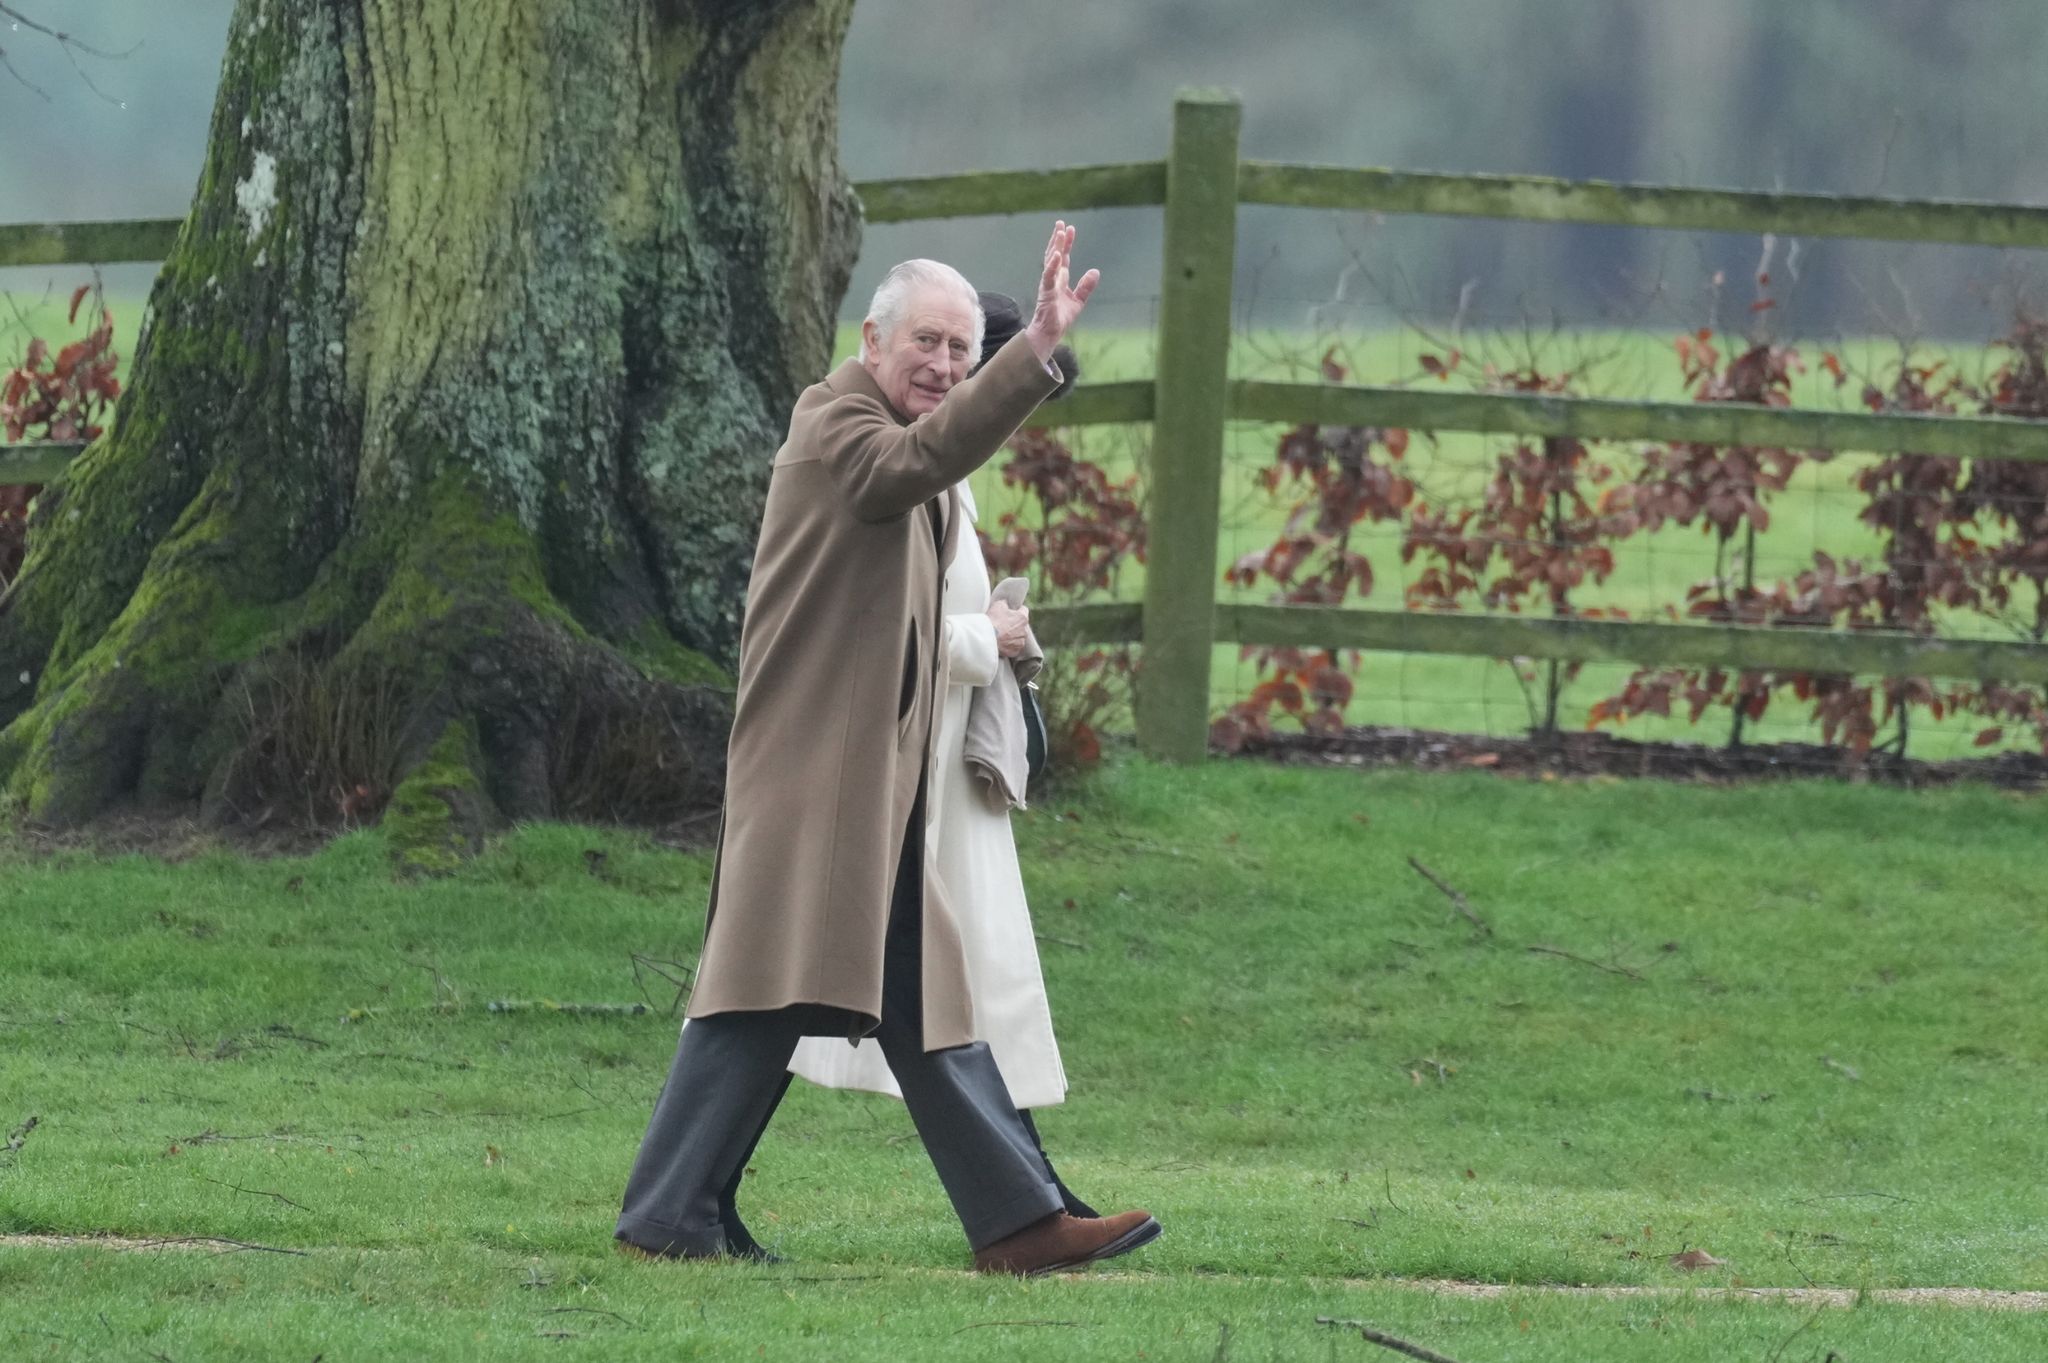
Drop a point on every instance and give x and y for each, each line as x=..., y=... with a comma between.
x=870, y=340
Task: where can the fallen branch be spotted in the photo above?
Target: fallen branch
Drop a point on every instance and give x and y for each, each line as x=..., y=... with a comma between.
x=1836, y=1197
x=217, y=1240
x=1061, y=941
x=986, y=1324
x=626, y=1010
x=1784, y=1343
x=656, y=966
x=257, y=1192
x=1586, y=960
x=1387, y=1341
x=19, y=1136
x=590, y=1311
x=1458, y=901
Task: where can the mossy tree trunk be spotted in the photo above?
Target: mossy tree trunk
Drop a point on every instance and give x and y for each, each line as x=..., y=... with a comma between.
x=463, y=376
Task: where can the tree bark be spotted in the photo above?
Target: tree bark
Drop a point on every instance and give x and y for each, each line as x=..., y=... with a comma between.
x=458, y=390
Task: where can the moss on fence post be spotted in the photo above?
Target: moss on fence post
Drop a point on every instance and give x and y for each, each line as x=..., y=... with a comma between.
x=1185, y=478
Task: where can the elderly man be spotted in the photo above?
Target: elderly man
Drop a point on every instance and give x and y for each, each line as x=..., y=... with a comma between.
x=825, y=919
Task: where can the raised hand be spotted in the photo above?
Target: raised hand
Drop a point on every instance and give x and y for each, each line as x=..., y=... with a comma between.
x=1059, y=303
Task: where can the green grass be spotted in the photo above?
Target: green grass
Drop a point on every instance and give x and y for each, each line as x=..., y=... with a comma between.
x=1281, y=1040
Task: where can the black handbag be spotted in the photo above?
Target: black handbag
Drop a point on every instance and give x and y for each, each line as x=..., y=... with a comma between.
x=1035, y=750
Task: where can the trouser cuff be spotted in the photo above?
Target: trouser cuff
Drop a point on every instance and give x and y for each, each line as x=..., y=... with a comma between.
x=657, y=1238
x=1000, y=1223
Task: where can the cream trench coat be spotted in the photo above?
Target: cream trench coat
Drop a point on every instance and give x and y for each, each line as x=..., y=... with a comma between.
x=974, y=855
x=839, y=669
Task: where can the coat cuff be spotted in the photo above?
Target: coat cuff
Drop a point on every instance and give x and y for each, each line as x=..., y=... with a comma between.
x=971, y=656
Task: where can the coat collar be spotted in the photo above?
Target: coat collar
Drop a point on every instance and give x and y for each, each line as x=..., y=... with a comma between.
x=851, y=378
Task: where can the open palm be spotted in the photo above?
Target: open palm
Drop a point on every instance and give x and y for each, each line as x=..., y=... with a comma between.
x=1059, y=301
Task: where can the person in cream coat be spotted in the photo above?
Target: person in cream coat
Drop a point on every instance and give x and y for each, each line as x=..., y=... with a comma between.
x=973, y=852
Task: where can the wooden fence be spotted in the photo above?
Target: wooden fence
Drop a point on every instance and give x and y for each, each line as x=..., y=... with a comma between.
x=1199, y=186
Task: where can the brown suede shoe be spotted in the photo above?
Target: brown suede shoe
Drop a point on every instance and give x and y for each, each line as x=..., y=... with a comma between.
x=1060, y=1242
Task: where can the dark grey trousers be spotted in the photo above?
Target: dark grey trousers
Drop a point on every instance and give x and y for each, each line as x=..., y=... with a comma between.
x=728, y=1071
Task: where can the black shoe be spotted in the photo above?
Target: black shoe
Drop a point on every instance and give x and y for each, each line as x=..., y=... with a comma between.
x=1068, y=1198
x=1075, y=1206
x=740, y=1242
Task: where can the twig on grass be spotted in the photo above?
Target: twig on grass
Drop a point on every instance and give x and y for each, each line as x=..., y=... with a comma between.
x=217, y=1240
x=1837, y=1197
x=1541, y=950
x=19, y=1136
x=1796, y=1268
x=661, y=969
x=558, y=1116
x=1775, y=1353
x=1061, y=941
x=257, y=1192
x=1387, y=1341
x=986, y=1324
x=1458, y=901
x=590, y=1311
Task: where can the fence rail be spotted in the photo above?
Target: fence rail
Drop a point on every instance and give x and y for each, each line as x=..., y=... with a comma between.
x=1534, y=198
x=1200, y=186
x=1648, y=643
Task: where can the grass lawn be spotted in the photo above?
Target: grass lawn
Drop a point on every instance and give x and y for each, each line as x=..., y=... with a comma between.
x=1798, y=1028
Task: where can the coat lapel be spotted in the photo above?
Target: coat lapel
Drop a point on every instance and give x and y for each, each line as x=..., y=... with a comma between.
x=948, y=529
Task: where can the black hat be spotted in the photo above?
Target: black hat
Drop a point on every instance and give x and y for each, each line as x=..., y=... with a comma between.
x=1002, y=319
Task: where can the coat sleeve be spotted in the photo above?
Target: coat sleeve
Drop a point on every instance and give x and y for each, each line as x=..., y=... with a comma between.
x=887, y=470
x=971, y=656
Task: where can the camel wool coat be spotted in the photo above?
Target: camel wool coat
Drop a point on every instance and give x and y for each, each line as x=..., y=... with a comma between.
x=839, y=666
x=976, y=856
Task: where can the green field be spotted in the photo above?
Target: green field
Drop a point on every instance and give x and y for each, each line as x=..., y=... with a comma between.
x=1795, y=1026
x=1819, y=511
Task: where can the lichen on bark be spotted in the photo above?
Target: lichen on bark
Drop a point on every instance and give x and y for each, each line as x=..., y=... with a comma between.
x=465, y=370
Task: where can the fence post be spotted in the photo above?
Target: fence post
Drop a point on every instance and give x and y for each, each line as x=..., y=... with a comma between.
x=1186, y=472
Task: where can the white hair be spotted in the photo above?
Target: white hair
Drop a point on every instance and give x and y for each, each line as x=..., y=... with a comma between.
x=893, y=294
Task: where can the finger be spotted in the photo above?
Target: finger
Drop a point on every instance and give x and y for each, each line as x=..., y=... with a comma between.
x=1087, y=285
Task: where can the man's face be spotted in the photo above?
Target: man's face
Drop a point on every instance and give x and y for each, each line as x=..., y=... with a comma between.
x=931, y=349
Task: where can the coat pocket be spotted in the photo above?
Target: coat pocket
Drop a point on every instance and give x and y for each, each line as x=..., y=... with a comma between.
x=906, y=698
